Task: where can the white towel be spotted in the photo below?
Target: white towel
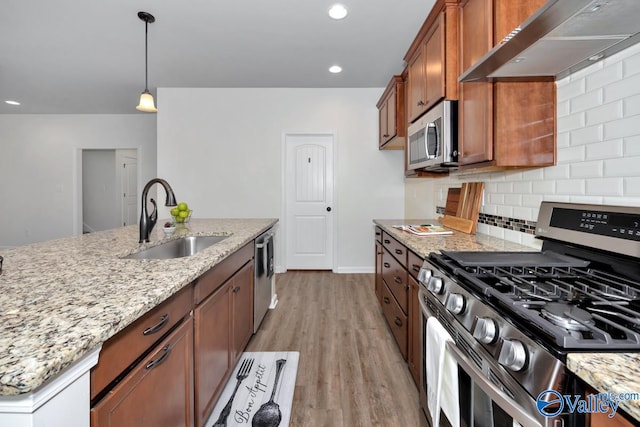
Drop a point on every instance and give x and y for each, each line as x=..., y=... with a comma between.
x=440, y=389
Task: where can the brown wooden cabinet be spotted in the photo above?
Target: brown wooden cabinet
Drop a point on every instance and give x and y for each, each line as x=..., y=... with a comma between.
x=378, y=275
x=158, y=391
x=399, y=296
x=223, y=326
x=432, y=60
x=502, y=124
x=391, y=118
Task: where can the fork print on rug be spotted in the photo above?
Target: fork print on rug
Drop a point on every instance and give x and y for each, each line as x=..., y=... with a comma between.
x=251, y=387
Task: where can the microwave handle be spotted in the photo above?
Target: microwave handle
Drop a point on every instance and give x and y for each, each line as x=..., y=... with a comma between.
x=505, y=402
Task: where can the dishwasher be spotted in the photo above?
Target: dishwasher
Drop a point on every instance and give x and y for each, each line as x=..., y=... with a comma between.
x=263, y=276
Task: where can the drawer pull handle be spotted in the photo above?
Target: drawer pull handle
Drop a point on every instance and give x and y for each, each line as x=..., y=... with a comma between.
x=387, y=241
x=236, y=289
x=399, y=251
x=155, y=328
x=398, y=321
x=387, y=265
x=165, y=353
x=386, y=300
x=397, y=279
x=415, y=267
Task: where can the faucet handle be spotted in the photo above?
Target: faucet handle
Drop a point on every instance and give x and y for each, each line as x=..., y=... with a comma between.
x=153, y=217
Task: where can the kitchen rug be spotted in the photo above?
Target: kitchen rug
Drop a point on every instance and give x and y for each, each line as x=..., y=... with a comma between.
x=261, y=398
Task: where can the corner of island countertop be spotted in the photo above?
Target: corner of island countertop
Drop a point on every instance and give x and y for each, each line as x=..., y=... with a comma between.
x=63, y=298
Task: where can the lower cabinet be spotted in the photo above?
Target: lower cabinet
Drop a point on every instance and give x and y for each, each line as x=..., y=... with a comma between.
x=414, y=351
x=168, y=368
x=158, y=392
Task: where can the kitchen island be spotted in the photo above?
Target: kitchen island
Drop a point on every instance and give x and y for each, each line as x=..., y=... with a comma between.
x=612, y=372
x=62, y=299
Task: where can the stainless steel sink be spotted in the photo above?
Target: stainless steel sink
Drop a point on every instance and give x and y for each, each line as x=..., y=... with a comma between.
x=182, y=247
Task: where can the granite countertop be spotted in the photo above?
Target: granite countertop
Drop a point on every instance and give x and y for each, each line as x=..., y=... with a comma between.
x=457, y=241
x=610, y=373
x=62, y=298
x=605, y=372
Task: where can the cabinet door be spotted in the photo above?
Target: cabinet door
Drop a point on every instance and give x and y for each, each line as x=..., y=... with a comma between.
x=414, y=353
x=391, y=115
x=378, y=276
x=242, y=310
x=383, y=118
x=416, y=86
x=158, y=392
x=476, y=98
x=434, y=63
x=212, y=343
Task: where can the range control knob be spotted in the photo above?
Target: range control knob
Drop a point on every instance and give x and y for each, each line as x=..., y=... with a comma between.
x=485, y=330
x=513, y=355
x=424, y=275
x=455, y=303
x=435, y=285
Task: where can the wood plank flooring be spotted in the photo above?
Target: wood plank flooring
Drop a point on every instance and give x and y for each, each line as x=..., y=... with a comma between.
x=350, y=371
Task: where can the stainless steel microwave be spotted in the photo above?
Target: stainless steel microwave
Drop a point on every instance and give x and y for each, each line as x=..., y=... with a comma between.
x=433, y=139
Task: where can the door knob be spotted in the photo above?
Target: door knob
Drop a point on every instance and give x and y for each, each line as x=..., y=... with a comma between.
x=328, y=208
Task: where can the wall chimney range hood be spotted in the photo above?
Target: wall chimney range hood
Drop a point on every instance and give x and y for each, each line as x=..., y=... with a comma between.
x=563, y=36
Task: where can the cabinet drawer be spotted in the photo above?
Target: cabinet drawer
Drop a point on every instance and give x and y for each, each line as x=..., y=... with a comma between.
x=397, y=249
x=395, y=276
x=396, y=319
x=414, y=263
x=158, y=392
x=214, y=278
x=121, y=350
x=378, y=234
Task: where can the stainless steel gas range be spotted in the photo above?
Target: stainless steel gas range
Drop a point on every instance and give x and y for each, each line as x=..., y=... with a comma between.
x=511, y=318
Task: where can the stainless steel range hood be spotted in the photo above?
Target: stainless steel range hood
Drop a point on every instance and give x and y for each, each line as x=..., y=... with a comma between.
x=562, y=37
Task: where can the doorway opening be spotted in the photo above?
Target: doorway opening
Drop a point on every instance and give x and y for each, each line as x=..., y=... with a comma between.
x=109, y=188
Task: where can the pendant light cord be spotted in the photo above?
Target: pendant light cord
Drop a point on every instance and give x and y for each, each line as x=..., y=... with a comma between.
x=146, y=56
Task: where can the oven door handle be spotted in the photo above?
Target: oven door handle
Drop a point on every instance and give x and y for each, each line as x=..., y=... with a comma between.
x=505, y=402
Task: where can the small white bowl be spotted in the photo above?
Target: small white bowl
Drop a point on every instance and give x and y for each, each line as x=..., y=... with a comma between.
x=168, y=230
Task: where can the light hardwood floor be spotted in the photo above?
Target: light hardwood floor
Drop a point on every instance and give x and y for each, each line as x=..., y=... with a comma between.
x=350, y=371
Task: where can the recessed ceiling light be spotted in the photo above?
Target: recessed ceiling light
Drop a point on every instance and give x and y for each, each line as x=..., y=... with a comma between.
x=12, y=102
x=335, y=69
x=338, y=11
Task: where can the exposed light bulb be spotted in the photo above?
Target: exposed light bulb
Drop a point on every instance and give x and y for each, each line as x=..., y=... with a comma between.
x=337, y=11
x=335, y=69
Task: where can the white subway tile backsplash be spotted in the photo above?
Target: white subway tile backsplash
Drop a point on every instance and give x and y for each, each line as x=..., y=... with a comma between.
x=629, y=126
x=532, y=200
x=563, y=108
x=544, y=187
x=604, y=187
x=621, y=201
x=604, y=150
x=593, y=200
x=570, y=186
x=587, y=169
x=604, y=77
x=622, y=166
x=604, y=113
x=632, y=146
x=523, y=187
x=533, y=174
x=586, y=101
x=570, y=89
x=631, y=64
x=496, y=199
x=586, y=135
x=631, y=186
x=571, y=155
x=525, y=213
x=513, y=199
x=503, y=210
x=505, y=187
x=622, y=89
x=631, y=105
x=571, y=122
x=556, y=172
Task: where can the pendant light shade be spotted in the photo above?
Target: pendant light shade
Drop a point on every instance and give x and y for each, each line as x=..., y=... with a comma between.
x=146, y=99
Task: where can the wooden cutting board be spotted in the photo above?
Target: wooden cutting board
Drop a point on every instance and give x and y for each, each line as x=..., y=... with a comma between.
x=466, y=202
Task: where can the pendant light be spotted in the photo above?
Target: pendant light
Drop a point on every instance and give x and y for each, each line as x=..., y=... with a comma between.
x=146, y=99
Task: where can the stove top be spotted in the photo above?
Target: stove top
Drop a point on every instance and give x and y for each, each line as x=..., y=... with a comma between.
x=556, y=297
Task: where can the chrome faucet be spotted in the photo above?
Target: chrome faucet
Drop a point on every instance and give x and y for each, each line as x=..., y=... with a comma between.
x=147, y=222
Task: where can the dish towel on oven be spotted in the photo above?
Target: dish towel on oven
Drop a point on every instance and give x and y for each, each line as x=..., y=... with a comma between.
x=442, y=375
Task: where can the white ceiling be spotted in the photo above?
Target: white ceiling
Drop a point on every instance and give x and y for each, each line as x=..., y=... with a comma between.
x=87, y=56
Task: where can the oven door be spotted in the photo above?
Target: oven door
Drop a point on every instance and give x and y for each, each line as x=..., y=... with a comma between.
x=487, y=395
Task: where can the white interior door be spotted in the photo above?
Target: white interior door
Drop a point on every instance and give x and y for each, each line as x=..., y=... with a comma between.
x=309, y=201
x=127, y=173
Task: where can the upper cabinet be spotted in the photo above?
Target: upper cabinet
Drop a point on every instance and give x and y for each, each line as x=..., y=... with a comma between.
x=501, y=124
x=432, y=60
x=393, y=126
